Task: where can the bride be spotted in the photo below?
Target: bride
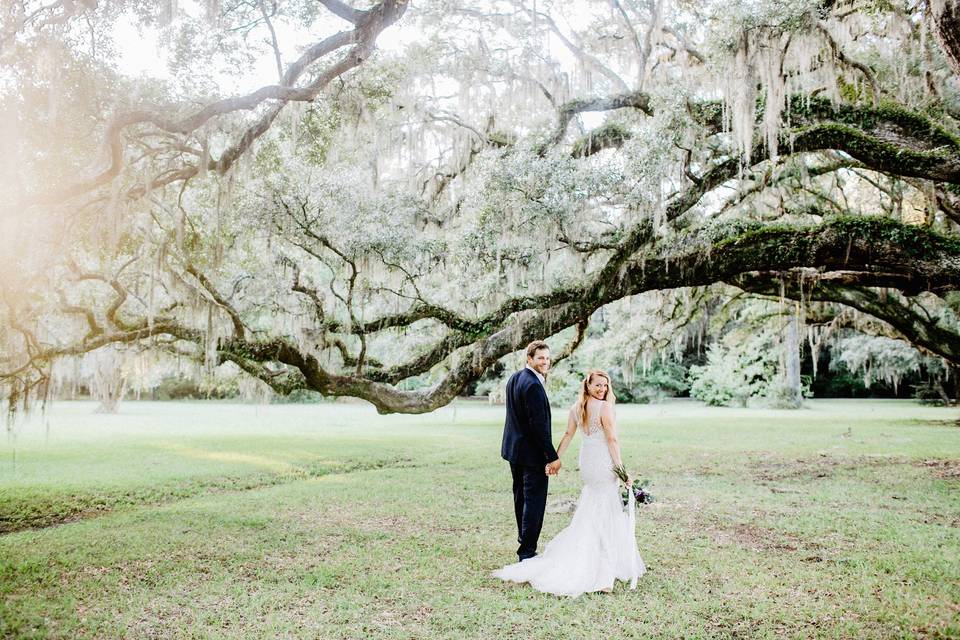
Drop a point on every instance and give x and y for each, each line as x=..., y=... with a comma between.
x=598, y=546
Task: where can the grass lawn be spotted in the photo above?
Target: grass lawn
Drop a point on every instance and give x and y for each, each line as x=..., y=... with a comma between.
x=208, y=520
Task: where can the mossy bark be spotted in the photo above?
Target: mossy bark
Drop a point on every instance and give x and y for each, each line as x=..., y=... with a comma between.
x=946, y=20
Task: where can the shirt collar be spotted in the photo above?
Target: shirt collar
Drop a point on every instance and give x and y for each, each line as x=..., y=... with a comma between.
x=537, y=373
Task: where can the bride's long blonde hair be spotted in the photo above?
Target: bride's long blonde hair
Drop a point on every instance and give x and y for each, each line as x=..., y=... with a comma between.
x=584, y=396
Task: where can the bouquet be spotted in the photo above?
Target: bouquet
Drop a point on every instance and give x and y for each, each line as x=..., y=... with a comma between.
x=640, y=494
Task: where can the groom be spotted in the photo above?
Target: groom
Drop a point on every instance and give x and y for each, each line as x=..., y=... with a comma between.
x=528, y=447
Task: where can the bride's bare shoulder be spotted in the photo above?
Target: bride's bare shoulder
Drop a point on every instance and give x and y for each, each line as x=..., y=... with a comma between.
x=608, y=411
x=603, y=407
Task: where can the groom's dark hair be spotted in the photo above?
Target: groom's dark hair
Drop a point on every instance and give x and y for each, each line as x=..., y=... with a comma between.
x=535, y=346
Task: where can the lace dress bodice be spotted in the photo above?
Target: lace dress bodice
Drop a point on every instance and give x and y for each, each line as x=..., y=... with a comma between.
x=596, y=466
x=593, y=419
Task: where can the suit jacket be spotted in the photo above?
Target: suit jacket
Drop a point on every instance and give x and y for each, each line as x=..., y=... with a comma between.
x=527, y=437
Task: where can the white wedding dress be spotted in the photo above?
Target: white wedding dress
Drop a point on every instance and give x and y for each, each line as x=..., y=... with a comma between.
x=599, y=544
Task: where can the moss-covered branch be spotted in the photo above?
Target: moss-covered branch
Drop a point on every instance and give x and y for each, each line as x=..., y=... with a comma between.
x=914, y=258
x=920, y=259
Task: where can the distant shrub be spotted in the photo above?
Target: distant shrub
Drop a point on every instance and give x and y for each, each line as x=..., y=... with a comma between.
x=662, y=379
x=184, y=388
x=731, y=376
x=300, y=396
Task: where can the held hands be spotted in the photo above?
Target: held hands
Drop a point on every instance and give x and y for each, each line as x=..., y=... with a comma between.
x=553, y=468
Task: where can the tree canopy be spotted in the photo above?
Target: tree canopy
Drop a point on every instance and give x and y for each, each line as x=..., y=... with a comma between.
x=387, y=222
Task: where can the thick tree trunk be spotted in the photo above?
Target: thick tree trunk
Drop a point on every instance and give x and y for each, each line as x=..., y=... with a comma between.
x=110, y=395
x=946, y=21
x=109, y=380
x=792, y=392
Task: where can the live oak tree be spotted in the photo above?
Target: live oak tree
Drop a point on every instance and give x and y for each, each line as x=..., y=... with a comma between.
x=389, y=224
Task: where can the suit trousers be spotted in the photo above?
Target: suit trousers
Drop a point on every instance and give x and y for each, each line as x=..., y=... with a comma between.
x=529, y=504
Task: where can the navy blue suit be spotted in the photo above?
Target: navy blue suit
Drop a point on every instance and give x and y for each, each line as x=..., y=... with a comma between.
x=528, y=447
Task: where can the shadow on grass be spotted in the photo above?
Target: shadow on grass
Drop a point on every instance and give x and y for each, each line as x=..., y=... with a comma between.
x=28, y=511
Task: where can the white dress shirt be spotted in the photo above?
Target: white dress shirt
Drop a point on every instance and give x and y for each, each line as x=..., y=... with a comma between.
x=537, y=373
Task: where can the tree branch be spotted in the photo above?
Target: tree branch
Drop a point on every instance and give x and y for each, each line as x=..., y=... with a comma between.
x=586, y=58
x=342, y=10
x=637, y=100
x=920, y=260
x=223, y=303
x=363, y=37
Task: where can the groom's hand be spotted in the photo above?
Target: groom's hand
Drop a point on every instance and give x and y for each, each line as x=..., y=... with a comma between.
x=553, y=468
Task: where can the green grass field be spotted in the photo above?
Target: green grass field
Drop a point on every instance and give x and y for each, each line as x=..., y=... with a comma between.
x=206, y=520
